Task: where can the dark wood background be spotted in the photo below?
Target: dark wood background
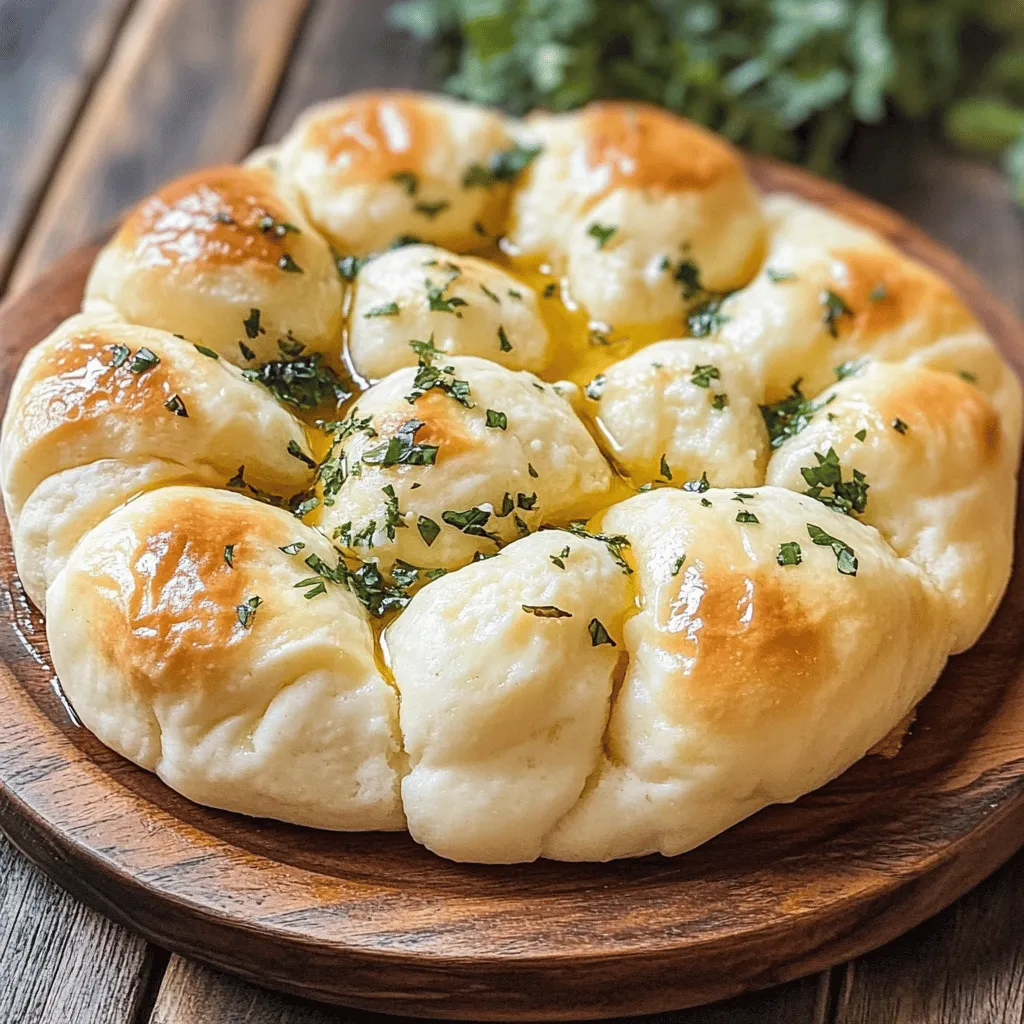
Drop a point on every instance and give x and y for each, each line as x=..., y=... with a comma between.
x=100, y=101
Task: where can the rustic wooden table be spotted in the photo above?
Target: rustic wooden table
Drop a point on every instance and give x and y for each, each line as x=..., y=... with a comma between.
x=100, y=101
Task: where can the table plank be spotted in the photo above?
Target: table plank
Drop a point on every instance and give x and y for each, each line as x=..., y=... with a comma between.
x=190, y=82
x=50, y=55
x=194, y=994
x=60, y=961
x=965, y=966
x=346, y=45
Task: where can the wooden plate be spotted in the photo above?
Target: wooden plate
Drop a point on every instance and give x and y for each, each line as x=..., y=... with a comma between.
x=375, y=921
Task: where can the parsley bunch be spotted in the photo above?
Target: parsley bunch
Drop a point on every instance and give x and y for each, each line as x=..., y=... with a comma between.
x=787, y=77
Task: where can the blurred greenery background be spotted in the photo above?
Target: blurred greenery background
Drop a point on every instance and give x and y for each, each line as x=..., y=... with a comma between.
x=792, y=78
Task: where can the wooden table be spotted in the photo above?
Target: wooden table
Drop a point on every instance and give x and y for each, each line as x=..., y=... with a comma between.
x=100, y=101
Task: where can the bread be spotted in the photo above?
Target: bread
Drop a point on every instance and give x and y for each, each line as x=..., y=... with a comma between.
x=379, y=166
x=183, y=643
x=940, y=472
x=435, y=481
x=677, y=410
x=466, y=305
x=749, y=682
x=829, y=293
x=643, y=211
x=654, y=502
x=101, y=410
x=504, y=693
x=221, y=257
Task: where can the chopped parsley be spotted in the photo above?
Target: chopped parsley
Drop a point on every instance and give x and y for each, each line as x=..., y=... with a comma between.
x=406, y=180
x=504, y=165
x=900, y=426
x=615, y=543
x=491, y=295
x=861, y=434
x=708, y=317
x=176, y=405
x=470, y=522
x=971, y=378
x=349, y=266
x=664, y=468
x=431, y=210
x=288, y=265
x=546, y=611
x=878, y=293
x=849, y=368
x=847, y=496
x=229, y=555
x=719, y=402
x=786, y=418
x=503, y=343
x=686, y=273
x=703, y=374
x=295, y=450
x=531, y=470
x=496, y=419
x=304, y=382
x=121, y=353
x=428, y=530
x=560, y=558
x=595, y=389
x=438, y=301
x=743, y=516
x=601, y=233
x=246, y=611
x=294, y=548
x=789, y=553
x=208, y=352
x=779, y=276
x=698, y=486
x=247, y=353
x=846, y=560
x=428, y=376
x=599, y=635
x=392, y=515
x=677, y=566
x=143, y=360
x=835, y=308
x=527, y=502
x=402, y=449
x=384, y=309
x=278, y=228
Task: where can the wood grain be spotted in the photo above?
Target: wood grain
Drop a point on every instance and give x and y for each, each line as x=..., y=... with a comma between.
x=194, y=994
x=63, y=961
x=50, y=54
x=374, y=921
x=189, y=83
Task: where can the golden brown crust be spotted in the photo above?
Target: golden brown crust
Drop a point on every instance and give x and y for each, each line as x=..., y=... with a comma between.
x=215, y=217
x=169, y=608
x=434, y=410
x=375, y=135
x=885, y=290
x=752, y=643
x=632, y=145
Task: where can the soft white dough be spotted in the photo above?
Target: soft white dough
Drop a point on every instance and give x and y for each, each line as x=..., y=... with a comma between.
x=477, y=466
x=663, y=191
x=749, y=682
x=502, y=710
x=375, y=166
x=287, y=717
x=81, y=435
x=941, y=477
x=690, y=403
x=830, y=292
x=206, y=253
x=493, y=306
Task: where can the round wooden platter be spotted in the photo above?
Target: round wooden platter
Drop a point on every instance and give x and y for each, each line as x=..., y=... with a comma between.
x=374, y=921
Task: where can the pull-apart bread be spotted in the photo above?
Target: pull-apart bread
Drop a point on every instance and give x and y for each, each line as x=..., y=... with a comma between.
x=535, y=486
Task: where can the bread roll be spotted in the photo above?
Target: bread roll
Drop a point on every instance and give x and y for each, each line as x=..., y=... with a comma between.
x=374, y=167
x=435, y=480
x=181, y=640
x=750, y=682
x=222, y=258
x=940, y=471
x=505, y=669
x=643, y=210
x=102, y=410
x=831, y=292
x=468, y=306
x=678, y=409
